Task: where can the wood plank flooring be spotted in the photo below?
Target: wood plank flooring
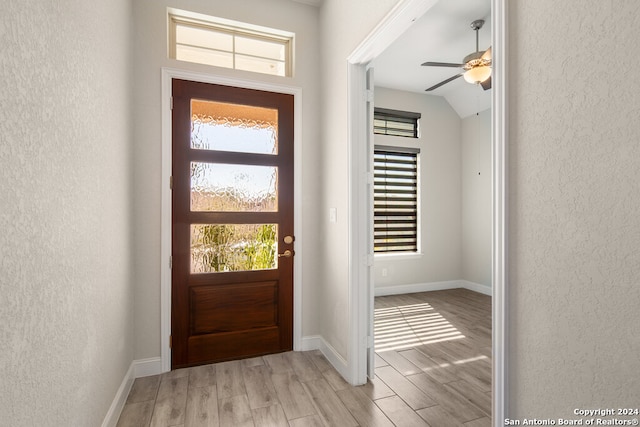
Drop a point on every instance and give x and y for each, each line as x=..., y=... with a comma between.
x=433, y=368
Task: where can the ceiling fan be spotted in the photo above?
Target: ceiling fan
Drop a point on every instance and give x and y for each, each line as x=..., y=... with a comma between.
x=476, y=66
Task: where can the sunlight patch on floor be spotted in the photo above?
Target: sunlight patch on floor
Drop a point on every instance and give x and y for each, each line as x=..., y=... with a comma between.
x=471, y=359
x=407, y=326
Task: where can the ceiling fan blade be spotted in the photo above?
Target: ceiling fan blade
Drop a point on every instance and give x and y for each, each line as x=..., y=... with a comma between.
x=486, y=85
x=444, y=82
x=487, y=54
x=441, y=64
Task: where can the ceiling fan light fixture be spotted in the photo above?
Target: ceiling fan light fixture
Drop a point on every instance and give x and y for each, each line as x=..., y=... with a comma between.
x=477, y=75
x=476, y=66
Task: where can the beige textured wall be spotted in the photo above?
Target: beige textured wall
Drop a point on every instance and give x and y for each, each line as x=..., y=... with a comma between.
x=440, y=191
x=476, y=198
x=150, y=47
x=574, y=200
x=66, y=306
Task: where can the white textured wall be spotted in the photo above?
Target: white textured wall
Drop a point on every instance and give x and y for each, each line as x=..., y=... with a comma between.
x=476, y=198
x=440, y=191
x=150, y=46
x=66, y=318
x=574, y=202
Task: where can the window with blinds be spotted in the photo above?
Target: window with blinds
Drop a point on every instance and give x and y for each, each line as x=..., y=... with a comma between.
x=395, y=192
x=395, y=122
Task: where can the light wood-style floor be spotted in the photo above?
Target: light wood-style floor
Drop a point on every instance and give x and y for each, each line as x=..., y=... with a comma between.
x=433, y=368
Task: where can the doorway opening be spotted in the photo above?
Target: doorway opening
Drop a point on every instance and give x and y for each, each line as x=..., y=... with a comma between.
x=401, y=17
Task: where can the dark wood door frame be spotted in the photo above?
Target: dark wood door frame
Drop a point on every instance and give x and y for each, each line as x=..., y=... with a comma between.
x=163, y=364
x=278, y=339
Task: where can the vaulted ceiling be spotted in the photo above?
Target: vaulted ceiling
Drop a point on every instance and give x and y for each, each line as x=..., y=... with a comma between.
x=443, y=34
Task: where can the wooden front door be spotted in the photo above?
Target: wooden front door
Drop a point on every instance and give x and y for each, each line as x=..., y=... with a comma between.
x=232, y=223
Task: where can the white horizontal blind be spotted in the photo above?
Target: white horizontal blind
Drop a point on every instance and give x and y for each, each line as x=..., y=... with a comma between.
x=395, y=192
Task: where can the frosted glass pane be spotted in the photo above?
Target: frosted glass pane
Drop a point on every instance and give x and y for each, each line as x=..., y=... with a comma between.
x=233, y=247
x=233, y=127
x=224, y=187
x=260, y=65
x=204, y=38
x=262, y=48
x=204, y=56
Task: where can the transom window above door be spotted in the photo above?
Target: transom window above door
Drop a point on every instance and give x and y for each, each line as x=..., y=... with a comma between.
x=230, y=44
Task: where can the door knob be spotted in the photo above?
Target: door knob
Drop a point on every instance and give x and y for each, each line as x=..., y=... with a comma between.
x=288, y=239
x=286, y=254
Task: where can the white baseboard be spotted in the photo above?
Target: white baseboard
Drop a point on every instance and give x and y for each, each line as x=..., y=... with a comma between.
x=138, y=368
x=476, y=287
x=416, y=287
x=310, y=343
x=113, y=414
x=316, y=342
x=147, y=367
x=336, y=360
x=431, y=286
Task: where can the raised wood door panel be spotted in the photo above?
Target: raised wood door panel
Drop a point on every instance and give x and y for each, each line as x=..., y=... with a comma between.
x=232, y=207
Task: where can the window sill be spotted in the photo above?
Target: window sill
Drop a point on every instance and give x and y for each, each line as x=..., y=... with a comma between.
x=397, y=256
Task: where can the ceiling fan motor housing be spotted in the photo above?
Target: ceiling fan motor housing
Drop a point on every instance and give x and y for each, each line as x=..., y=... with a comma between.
x=476, y=59
x=477, y=24
x=473, y=60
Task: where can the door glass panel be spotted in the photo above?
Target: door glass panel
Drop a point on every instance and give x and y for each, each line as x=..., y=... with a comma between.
x=233, y=127
x=233, y=247
x=222, y=187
